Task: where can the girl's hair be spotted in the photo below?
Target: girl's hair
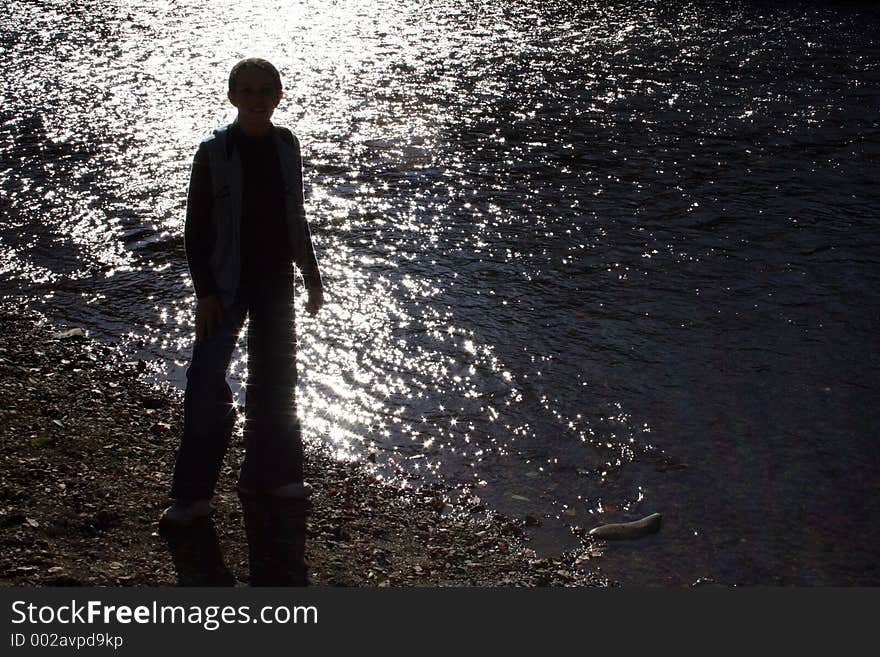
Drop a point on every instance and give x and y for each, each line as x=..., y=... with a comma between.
x=253, y=62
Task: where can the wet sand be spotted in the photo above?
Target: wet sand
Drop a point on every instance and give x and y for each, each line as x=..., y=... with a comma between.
x=87, y=450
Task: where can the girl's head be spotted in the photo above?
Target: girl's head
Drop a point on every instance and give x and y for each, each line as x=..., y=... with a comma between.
x=255, y=90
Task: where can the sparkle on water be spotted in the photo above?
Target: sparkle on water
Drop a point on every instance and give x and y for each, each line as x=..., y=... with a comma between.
x=584, y=261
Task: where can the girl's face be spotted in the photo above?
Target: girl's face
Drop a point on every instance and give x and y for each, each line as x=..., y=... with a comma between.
x=256, y=95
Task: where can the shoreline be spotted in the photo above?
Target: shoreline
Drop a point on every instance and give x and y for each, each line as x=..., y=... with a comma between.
x=87, y=451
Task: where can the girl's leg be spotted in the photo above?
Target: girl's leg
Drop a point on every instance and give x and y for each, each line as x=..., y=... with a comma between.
x=273, y=440
x=208, y=413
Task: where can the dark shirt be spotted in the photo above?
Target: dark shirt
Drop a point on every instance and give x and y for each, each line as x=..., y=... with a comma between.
x=265, y=242
x=266, y=250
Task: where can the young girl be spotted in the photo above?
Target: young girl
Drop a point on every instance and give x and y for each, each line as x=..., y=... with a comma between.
x=245, y=229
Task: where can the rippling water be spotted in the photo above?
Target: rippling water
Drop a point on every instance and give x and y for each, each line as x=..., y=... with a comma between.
x=583, y=262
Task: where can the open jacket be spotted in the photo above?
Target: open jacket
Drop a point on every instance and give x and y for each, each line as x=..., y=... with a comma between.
x=214, y=207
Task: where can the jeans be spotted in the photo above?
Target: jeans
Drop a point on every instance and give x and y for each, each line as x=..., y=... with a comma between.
x=273, y=440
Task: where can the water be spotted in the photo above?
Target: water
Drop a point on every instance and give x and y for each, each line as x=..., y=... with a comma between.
x=583, y=262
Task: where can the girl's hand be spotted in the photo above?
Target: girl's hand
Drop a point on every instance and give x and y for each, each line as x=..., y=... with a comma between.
x=209, y=316
x=316, y=300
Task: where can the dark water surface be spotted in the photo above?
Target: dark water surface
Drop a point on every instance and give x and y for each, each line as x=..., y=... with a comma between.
x=583, y=262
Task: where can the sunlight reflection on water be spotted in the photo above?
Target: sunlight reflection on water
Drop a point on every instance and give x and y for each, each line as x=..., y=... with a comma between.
x=582, y=260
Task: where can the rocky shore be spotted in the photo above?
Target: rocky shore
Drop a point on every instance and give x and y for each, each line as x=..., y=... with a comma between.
x=86, y=452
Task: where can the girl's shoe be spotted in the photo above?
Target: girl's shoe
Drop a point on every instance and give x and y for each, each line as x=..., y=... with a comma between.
x=184, y=513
